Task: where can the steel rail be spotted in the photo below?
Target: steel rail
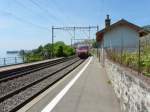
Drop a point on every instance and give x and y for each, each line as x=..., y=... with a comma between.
x=72, y=67
x=18, y=72
x=11, y=93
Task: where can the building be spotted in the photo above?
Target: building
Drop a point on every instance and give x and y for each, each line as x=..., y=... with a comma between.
x=121, y=34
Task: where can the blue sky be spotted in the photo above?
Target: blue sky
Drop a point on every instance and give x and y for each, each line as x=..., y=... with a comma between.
x=26, y=24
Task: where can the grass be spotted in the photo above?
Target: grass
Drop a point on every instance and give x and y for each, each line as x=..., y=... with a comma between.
x=147, y=74
x=109, y=82
x=131, y=59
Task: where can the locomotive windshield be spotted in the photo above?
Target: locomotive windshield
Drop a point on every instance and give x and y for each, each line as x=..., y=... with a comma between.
x=83, y=47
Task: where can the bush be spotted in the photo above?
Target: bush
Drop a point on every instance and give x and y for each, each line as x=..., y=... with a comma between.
x=31, y=57
x=45, y=52
x=131, y=59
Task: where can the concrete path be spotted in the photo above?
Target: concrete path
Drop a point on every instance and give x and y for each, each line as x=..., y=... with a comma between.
x=90, y=93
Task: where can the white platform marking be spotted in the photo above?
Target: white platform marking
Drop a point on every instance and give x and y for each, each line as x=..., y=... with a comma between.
x=60, y=95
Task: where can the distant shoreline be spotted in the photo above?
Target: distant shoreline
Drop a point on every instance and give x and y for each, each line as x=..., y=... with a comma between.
x=12, y=52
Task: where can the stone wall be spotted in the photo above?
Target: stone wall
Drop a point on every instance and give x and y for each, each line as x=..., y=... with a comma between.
x=132, y=92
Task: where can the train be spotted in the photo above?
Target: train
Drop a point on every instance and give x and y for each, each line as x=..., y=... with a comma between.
x=82, y=51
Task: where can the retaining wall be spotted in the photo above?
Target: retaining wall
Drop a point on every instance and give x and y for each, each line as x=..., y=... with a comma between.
x=132, y=90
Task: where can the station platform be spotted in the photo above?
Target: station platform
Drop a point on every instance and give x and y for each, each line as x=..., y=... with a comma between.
x=10, y=67
x=89, y=92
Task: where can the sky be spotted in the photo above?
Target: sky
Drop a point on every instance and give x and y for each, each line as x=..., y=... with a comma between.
x=26, y=24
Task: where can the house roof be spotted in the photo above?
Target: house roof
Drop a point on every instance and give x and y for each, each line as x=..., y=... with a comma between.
x=122, y=22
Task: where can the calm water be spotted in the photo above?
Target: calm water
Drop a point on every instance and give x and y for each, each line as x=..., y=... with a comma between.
x=9, y=59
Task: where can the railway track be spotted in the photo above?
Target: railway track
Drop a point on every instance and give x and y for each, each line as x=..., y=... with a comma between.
x=18, y=72
x=19, y=90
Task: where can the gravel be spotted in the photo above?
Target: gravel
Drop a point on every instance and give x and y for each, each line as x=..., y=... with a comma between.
x=17, y=83
x=24, y=95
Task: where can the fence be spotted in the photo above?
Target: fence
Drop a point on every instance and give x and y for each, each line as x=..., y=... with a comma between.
x=137, y=58
x=11, y=61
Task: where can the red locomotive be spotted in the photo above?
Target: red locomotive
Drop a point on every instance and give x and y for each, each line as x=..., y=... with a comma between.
x=82, y=51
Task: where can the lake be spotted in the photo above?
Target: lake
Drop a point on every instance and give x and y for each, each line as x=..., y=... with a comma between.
x=9, y=58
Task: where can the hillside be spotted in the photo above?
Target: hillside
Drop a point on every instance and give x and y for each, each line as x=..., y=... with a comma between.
x=147, y=27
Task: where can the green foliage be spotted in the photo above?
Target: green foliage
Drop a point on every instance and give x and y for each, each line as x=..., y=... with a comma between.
x=109, y=82
x=145, y=60
x=94, y=44
x=32, y=57
x=45, y=52
x=131, y=59
x=147, y=27
x=69, y=51
x=60, y=51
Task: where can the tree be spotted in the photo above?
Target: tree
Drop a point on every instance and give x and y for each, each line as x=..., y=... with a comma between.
x=94, y=44
x=44, y=52
x=48, y=50
x=60, y=52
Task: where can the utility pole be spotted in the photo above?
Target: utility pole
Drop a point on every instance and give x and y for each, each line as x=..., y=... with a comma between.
x=89, y=37
x=74, y=29
x=97, y=27
x=89, y=32
x=98, y=54
x=71, y=42
x=74, y=34
x=139, y=58
x=52, y=53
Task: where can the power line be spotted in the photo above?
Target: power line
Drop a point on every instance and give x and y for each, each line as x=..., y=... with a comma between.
x=77, y=28
x=21, y=4
x=31, y=11
x=43, y=9
x=56, y=4
x=23, y=20
x=70, y=33
x=85, y=33
x=24, y=6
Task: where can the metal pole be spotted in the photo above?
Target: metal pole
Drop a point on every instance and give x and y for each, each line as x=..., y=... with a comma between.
x=23, y=56
x=52, y=41
x=89, y=32
x=97, y=28
x=23, y=59
x=89, y=37
x=103, y=55
x=97, y=43
x=71, y=42
x=15, y=60
x=121, y=49
x=98, y=52
x=139, y=57
x=4, y=61
x=74, y=31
